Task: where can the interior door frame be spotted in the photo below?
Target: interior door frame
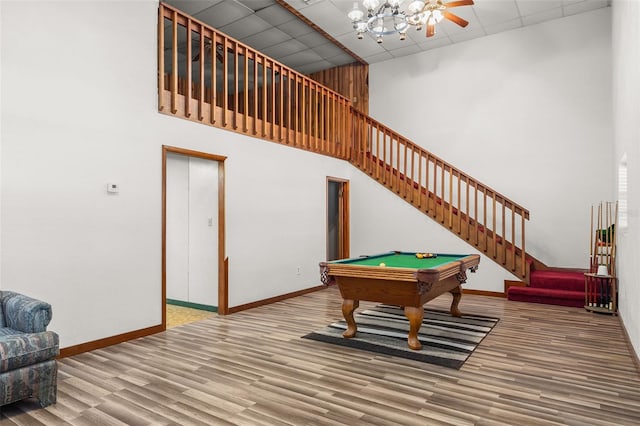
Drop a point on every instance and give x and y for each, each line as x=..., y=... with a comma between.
x=223, y=260
x=343, y=209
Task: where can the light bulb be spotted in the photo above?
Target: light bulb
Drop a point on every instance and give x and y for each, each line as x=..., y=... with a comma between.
x=355, y=14
x=360, y=27
x=415, y=7
x=394, y=3
x=370, y=4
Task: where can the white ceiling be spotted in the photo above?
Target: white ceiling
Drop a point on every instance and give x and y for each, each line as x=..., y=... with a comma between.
x=273, y=30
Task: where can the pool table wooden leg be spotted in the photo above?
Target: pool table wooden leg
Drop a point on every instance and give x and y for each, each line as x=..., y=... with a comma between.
x=457, y=295
x=348, y=306
x=414, y=315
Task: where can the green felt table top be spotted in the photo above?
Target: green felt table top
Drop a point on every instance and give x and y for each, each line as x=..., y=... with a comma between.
x=402, y=260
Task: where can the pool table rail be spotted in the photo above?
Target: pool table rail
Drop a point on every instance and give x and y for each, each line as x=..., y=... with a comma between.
x=347, y=268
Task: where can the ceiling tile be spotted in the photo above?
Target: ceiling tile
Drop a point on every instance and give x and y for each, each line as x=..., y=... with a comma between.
x=434, y=43
x=419, y=36
x=531, y=7
x=466, y=35
x=393, y=42
x=365, y=47
x=265, y=39
x=405, y=51
x=545, y=15
x=328, y=17
x=379, y=57
x=312, y=39
x=490, y=12
x=223, y=13
x=301, y=58
x=465, y=13
x=503, y=26
x=585, y=6
x=276, y=15
x=313, y=67
x=257, y=4
x=300, y=4
x=297, y=28
x=191, y=7
x=286, y=48
x=327, y=50
x=245, y=27
x=341, y=58
x=344, y=6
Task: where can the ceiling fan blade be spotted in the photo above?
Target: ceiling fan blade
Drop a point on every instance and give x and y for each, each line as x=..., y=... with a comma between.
x=455, y=18
x=459, y=3
x=431, y=30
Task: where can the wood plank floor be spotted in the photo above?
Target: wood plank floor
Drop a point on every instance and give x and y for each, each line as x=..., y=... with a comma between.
x=541, y=365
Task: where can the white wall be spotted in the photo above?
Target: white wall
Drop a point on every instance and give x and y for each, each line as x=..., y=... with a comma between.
x=626, y=111
x=80, y=110
x=527, y=112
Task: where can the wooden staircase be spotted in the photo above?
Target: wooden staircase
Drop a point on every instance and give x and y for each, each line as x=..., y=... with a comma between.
x=475, y=213
x=249, y=93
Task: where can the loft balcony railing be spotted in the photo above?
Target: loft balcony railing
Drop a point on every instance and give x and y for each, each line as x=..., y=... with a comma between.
x=207, y=77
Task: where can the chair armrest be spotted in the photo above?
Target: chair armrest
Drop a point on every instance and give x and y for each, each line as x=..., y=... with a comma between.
x=26, y=314
x=20, y=350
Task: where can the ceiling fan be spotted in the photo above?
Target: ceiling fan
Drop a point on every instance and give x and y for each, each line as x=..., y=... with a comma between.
x=386, y=17
x=433, y=11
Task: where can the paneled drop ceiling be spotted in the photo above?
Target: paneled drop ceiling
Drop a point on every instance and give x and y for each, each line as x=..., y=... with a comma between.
x=269, y=27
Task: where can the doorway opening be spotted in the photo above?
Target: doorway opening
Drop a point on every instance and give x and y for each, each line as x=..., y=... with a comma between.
x=194, y=263
x=337, y=218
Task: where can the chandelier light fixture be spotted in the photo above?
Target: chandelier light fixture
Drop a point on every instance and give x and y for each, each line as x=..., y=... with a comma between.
x=385, y=17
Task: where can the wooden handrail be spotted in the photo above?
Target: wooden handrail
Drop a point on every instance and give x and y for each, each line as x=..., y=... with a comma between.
x=239, y=89
x=471, y=209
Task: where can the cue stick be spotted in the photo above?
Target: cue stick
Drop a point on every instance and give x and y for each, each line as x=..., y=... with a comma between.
x=613, y=245
x=599, y=233
x=608, y=235
x=591, y=239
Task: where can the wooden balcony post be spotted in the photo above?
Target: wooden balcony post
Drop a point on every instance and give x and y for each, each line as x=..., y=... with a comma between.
x=161, y=65
x=174, y=62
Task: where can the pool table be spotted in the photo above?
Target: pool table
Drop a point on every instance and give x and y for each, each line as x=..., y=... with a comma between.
x=398, y=278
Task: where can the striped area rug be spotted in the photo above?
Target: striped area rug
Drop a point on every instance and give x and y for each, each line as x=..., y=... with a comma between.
x=446, y=340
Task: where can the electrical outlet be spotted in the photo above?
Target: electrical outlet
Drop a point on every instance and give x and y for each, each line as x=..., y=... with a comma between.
x=298, y=270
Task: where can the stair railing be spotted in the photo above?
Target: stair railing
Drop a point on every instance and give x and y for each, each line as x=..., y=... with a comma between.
x=472, y=210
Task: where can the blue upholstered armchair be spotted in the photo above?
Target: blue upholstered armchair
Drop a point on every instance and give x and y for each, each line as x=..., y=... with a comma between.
x=27, y=351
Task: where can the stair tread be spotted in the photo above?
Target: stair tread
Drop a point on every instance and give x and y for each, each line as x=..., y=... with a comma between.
x=557, y=280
